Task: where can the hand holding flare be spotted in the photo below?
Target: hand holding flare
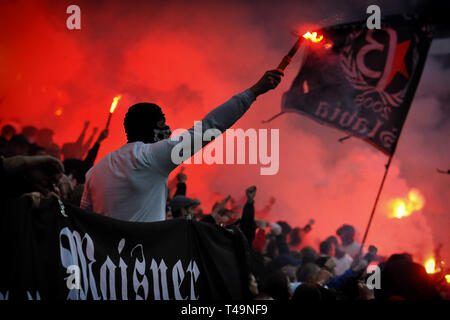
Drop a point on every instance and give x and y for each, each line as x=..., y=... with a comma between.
x=287, y=59
x=111, y=110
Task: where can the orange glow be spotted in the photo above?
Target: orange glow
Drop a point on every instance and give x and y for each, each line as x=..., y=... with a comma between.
x=328, y=45
x=313, y=36
x=430, y=266
x=403, y=207
x=447, y=278
x=114, y=103
x=58, y=112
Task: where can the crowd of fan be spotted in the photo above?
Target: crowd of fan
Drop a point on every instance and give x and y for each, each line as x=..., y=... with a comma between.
x=282, y=268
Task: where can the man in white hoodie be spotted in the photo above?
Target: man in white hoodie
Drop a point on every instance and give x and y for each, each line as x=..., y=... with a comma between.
x=130, y=183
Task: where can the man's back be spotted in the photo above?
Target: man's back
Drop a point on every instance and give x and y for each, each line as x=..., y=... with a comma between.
x=126, y=185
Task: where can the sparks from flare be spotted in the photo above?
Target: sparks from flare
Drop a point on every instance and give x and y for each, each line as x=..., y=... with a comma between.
x=403, y=207
x=313, y=36
x=430, y=266
x=288, y=58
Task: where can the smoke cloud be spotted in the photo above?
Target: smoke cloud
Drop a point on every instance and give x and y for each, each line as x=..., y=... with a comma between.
x=189, y=58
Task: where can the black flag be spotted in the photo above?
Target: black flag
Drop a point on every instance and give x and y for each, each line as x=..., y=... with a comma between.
x=362, y=81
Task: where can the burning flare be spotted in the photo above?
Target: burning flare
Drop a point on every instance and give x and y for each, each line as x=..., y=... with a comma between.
x=447, y=278
x=313, y=36
x=114, y=104
x=430, y=266
x=403, y=207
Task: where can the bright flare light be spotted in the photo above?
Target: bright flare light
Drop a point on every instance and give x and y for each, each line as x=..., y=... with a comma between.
x=447, y=278
x=403, y=207
x=313, y=36
x=114, y=104
x=430, y=266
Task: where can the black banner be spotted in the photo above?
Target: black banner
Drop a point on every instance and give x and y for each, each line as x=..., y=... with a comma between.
x=60, y=252
x=361, y=81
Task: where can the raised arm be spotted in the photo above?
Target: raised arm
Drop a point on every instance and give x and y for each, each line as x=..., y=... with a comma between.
x=170, y=153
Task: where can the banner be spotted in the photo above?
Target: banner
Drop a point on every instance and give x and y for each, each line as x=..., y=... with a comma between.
x=60, y=252
x=361, y=81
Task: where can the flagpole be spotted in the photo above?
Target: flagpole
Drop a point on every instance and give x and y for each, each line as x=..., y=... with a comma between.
x=388, y=164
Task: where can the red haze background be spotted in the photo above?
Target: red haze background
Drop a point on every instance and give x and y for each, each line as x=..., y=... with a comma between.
x=190, y=57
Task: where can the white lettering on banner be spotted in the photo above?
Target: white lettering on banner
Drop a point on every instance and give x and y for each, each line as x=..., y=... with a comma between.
x=374, y=21
x=77, y=256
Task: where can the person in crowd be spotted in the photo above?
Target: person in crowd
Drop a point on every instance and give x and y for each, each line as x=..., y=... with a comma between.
x=326, y=252
x=219, y=214
x=307, y=292
x=21, y=175
x=181, y=188
x=30, y=132
x=76, y=168
x=44, y=138
x=276, y=285
x=247, y=222
x=342, y=260
x=403, y=279
x=18, y=146
x=77, y=149
x=8, y=131
x=287, y=264
x=308, y=254
x=131, y=182
x=297, y=234
x=347, y=234
x=183, y=207
x=308, y=272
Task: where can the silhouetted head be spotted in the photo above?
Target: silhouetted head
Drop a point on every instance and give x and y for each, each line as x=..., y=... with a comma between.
x=277, y=286
x=406, y=279
x=308, y=254
x=307, y=292
x=8, y=131
x=346, y=233
x=308, y=272
x=145, y=122
x=326, y=248
x=333, y=240
x=30, y=133
x=19, y=145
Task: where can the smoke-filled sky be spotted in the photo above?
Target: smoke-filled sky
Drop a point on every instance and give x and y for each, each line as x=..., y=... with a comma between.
x=189, y=57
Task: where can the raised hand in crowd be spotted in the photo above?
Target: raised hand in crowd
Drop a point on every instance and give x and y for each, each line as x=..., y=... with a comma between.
x=268, y=81
x=250, y=193
x=103, y=135
x=181, y=177
x=221, y=205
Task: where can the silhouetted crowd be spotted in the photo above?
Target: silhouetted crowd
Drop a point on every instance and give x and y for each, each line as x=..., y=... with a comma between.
x=282, y=267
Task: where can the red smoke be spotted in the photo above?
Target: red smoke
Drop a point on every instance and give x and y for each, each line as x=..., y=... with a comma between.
x=188, y=58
